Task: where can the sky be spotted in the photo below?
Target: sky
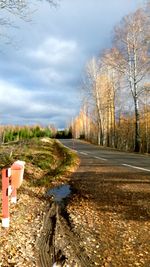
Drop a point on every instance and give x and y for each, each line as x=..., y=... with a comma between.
x=42, y=66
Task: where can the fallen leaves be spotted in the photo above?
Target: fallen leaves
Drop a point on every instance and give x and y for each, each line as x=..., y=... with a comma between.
x=17, y=244
x=111, y=215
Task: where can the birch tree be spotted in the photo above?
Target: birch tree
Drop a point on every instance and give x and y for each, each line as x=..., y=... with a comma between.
x=99, y=95
x=130, y=57
x=93, y=79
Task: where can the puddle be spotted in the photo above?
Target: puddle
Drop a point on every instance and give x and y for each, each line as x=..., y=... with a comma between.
x=60, y=192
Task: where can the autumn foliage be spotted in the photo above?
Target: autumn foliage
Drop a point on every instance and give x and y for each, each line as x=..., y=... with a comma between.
x=115, y=110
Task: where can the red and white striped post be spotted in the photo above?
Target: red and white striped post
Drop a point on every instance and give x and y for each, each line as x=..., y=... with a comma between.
x=16, y=178
x=6, y=173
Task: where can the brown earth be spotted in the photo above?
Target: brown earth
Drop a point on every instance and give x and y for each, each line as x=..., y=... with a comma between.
x=107, y=219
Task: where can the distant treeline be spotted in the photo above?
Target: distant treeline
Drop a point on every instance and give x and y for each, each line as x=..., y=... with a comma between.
x=64, y=134
x=16, y=133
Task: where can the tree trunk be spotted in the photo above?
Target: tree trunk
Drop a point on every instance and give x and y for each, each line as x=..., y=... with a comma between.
x=137, y=126
x=100, y=134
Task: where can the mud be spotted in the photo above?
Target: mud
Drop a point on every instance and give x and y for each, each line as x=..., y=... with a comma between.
x=57, y=243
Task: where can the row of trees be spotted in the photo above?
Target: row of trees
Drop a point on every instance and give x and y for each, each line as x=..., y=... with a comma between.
x=116, y=89
x=16, y=133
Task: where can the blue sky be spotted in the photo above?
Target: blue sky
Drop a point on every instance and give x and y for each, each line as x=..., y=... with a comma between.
x=42, y=67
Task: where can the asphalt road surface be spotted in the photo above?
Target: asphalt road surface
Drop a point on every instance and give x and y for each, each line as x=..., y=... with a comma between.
x=132, y=161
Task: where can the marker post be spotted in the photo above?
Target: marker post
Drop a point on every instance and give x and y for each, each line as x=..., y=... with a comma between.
x=6, y=173
x=15, y=173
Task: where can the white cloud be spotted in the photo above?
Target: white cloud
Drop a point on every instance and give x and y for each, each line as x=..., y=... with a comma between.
x=48, y=75
x=12, y=95
x=55, y=51
x=21, y=106
x=55, y=61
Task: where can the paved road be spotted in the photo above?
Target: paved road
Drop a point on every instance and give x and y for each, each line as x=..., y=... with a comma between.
x=129, y=160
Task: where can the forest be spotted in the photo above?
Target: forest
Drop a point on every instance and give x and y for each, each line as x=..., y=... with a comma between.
x=115, y=89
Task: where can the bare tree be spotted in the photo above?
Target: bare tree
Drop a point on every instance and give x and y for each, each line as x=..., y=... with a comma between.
x=99, y=96
x=130, y=57
x=94, y=89
x=19, y=5
x=20, y=8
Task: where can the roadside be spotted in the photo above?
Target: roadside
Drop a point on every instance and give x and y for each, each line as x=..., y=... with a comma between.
x=46, y=163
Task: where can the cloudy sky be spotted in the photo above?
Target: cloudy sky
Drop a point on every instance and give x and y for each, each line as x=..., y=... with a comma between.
x=41, y=70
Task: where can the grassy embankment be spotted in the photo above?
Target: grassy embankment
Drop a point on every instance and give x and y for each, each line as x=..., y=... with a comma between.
x=46, y=159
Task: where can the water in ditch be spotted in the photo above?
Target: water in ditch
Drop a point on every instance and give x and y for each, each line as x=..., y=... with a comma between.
x=60, y=193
